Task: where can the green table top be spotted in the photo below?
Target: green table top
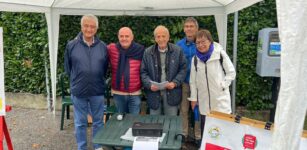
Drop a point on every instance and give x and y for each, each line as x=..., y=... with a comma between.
x=114, y=129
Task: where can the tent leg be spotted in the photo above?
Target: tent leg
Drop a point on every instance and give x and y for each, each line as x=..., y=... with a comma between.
x=234, y=61
x=275, y=91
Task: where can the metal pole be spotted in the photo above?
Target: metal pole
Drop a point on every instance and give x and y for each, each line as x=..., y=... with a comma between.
x=49, y=105
x=234, y=51
x=275, y=91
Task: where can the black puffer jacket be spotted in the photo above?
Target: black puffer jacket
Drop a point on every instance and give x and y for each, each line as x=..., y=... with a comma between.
x=175, y=72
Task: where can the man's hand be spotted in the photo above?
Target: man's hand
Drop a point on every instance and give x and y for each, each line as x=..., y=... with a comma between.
x=193, y=104
x=170, y=85
x=154, y=88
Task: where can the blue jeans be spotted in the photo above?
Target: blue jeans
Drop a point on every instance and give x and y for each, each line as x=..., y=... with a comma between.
x=93, y=105
x=127, y=103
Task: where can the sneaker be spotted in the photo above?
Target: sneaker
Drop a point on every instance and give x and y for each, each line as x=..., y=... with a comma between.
x=100, y=148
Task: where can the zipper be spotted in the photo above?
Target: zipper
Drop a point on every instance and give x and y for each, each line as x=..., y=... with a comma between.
x=208, y=86
x=167, y=63
x=90, y=63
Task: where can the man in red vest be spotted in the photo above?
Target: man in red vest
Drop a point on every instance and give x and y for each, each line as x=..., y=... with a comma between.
x=125, y=59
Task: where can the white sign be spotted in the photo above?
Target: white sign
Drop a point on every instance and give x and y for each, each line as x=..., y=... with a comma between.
x=2, y=94
x=225, y=135
x=161, y=86
x=145, y=143
x=128, y=136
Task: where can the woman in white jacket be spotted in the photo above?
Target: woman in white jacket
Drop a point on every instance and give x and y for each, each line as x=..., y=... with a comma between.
x=211, y=74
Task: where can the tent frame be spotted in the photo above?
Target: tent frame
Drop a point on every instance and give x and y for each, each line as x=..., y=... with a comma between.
x=53, y=12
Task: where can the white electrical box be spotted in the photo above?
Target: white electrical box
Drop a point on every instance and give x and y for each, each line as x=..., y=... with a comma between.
x=268, y=53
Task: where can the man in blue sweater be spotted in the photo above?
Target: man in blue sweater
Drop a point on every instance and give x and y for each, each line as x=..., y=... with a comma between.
x=188, y=46
x=86, y=63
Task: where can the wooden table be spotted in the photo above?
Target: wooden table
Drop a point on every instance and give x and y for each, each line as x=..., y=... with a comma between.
x=114, y=129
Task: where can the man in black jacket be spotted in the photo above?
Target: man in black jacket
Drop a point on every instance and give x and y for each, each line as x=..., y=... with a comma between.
x=163, y=70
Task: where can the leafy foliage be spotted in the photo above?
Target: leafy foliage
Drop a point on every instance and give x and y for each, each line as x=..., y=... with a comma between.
x=26, y=49
x=25, y=40
x=253, y=91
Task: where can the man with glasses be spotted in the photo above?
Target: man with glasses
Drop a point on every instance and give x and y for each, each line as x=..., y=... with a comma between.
x=86, y=62
x=190, y=28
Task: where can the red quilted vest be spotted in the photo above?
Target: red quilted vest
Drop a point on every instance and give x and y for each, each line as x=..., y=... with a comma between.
x=135, y=65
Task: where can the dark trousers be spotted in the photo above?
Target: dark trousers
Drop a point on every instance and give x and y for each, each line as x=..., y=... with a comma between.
x=202, y=124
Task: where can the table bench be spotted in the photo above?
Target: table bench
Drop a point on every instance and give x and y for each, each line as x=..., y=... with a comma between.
x=114, y=129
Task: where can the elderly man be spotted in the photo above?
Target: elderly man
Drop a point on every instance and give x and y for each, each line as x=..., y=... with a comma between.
x=190, y=28
x=125, y=58
x=163, y=70
x=86, y=62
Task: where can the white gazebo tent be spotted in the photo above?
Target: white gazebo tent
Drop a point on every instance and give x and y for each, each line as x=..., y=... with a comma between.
x=293, y=87
x=54, y=8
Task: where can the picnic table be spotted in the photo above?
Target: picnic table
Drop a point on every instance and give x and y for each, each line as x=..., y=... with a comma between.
x=114, y=129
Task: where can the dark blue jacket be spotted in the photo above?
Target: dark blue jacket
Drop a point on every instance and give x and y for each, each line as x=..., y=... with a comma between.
x=86, y=66
x=189, y=50
x=175, y=72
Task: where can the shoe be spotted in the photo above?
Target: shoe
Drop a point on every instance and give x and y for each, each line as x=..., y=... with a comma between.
x=100, y=148
x=198, y=142
x=188, y=139
x=184, y=147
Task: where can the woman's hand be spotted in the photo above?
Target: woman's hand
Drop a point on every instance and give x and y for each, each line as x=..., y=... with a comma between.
x=193, y=104
x=223, y=85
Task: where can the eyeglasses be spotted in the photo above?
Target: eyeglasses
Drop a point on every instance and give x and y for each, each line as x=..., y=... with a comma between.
x=89, y=26
x=203, y=42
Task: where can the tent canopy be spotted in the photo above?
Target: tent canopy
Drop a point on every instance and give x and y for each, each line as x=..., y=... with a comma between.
x=128, y=7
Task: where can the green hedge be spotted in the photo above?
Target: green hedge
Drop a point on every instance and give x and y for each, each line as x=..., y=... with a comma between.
x=26, y=49
x=253, y=91
x=142, y=28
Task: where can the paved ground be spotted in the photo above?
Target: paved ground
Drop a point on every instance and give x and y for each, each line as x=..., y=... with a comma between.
x=36, y=129
x=32, y=129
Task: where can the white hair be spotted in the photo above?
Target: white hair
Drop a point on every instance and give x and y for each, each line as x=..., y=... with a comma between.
x=161, y=27
x=90, y=16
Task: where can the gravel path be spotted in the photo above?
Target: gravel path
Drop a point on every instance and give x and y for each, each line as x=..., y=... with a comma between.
x=37, y=129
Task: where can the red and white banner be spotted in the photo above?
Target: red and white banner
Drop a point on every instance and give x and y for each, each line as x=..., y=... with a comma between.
x=225, y=135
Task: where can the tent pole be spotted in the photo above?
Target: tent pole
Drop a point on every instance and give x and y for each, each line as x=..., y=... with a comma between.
x=234, y=51
x=53, y=19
